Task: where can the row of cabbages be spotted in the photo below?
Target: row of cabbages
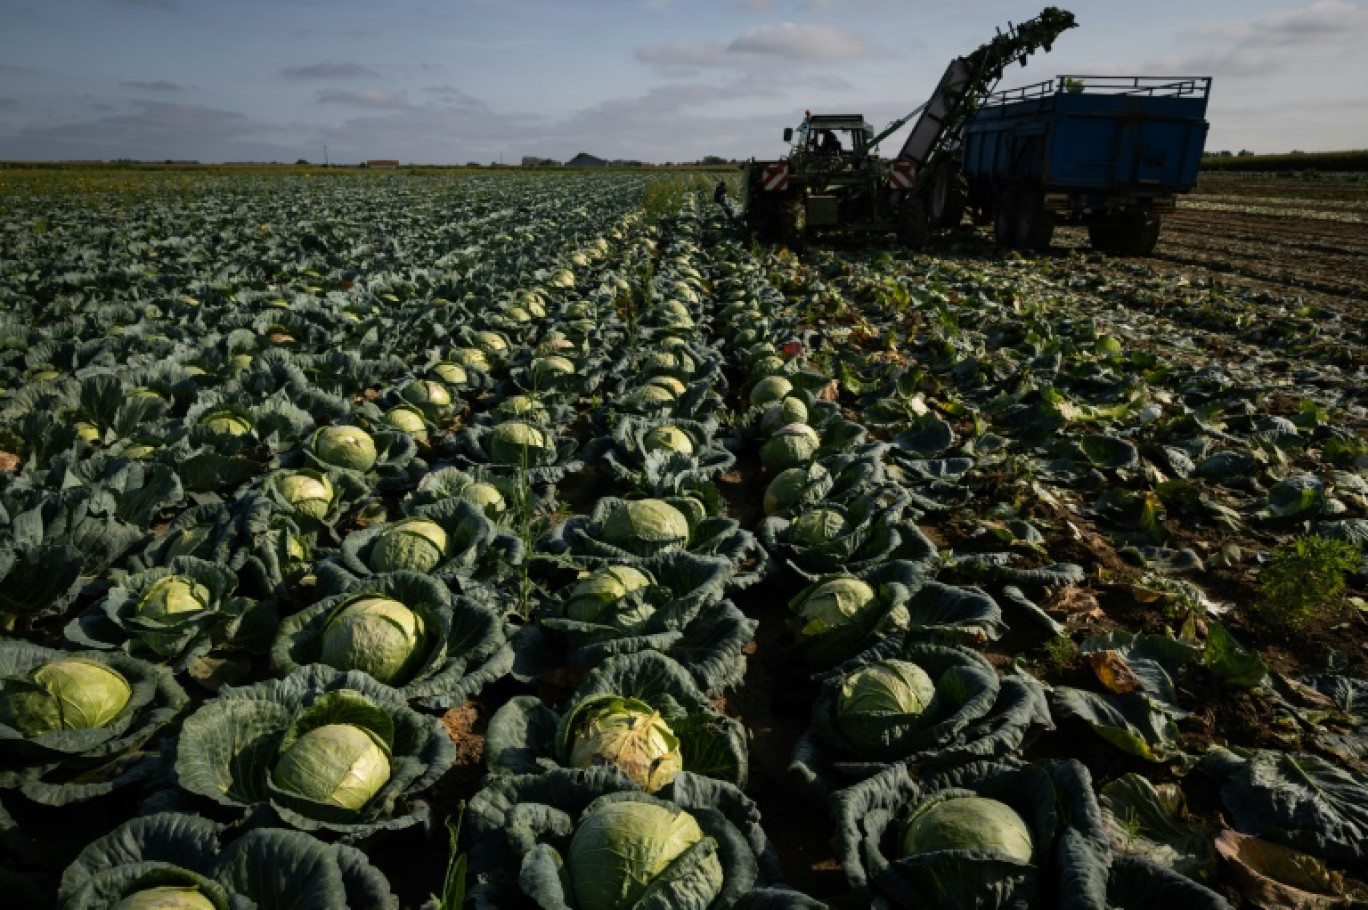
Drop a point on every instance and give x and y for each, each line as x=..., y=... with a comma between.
x=364, y=547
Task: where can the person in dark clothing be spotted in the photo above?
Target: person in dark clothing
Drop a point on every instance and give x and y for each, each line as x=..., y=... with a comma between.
x=829, y=145
x=720, y=197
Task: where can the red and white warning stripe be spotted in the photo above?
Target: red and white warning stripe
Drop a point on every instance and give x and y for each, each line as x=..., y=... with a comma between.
x=775, y=176
x=902, y=175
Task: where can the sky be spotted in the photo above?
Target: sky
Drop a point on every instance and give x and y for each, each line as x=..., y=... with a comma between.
x=457, y=81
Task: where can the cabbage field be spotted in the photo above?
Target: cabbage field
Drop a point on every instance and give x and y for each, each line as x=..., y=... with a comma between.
x=501, y=539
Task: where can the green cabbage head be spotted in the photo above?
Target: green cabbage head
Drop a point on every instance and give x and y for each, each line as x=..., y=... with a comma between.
x=815, y=528
x=790, y=447
x=513, y=441
x=619, y=848
x=338, y=764
x=374, y=634
x=407, y=419
x=414, y=544
x=967, y=823
x=628, y=734
x=166, y=897
x=884, y=694
x=227, y=422
x=487, y=497
x=172, y=597
x=668, y=439
x=791, y=485
x=64, y=694
x=646, y=526
x=771, y=388
x=832, y=603
x=309, y=492
x=345, y=447
x=594, y=595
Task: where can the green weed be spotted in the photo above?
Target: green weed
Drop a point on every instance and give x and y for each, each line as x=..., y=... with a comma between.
x=1305, y=581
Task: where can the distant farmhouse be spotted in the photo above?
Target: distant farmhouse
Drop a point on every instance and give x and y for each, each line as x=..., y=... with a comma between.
x=584, y=159
x=382, y=162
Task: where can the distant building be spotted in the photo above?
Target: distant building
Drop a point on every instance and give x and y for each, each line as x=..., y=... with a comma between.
x=382, y=162
x=584, y=159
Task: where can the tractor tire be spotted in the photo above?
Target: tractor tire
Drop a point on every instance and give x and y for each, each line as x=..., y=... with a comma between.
x=946, y=196
x=1136, y=232
x=1034, y=223
x=792, y=224
x=762, y=219
x=913, y=225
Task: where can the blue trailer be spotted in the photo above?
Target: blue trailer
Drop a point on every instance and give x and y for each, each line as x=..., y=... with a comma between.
x=1104, y=151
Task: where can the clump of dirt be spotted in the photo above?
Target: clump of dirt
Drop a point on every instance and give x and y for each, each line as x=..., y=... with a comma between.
x=466, y=727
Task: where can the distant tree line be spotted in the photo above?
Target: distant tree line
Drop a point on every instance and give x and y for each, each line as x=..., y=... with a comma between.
x=1245, y=160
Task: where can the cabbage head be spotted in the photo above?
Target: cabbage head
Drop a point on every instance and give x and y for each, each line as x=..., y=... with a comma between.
x=376, y=635
x=428, y=396
x=646, y=526
x=627, y=734
x=793, y=486
x=882, y=695
x=408, y=419
x=771, y=388
x=790, y=447
x=967, y=823
x=551, y=370
x=594, y=596
x=474, y=358
x=228, y=422
x=308, y=491
x=449, y=373
x=487, y=497
x=166, y=897
x=831, y=604
x=414, y=544
x=337, y=764
x=779, y=414
x=815, y=528
x=668, y=439
x=64, y=694
x=515, y=442
x=620, y=847
x=344, y=446
x=170, y=598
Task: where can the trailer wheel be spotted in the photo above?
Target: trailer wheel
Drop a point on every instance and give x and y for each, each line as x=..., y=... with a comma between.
x=1136, y=232
x=946, y=196
x=1102, y=236
x=913, y=225
x=1005, y=219
x=762, y=218
x=1035, y=223
x=792, y=224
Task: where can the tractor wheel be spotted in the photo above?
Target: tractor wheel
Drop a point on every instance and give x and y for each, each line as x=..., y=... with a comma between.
x=792, y=224
x=1034, y=222
x=913, y=225
x=947, y=196
x=1136, y=231
x=762, y=218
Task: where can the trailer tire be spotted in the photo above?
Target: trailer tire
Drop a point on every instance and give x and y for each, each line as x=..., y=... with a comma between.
x=1102, y=236
x=1005, y=219
x=1034, y=222
x=762, y=219
x=913, y=225
x=946, y=196
x=792, y=224
x=1136, y=232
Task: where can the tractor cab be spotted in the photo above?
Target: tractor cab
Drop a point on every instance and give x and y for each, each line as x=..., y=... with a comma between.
x=831, y=135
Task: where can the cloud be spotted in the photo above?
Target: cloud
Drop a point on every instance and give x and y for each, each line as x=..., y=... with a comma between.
x=394, y=101
x=764, y=46
x=150, y=4
x=1320, y=36
x=329, y=71
x=152, y=130
x=8, y=103
x=9, y=69
x=161, y=85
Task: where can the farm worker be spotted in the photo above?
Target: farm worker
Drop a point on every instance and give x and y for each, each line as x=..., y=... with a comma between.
x=720, y=197
x=830, y=144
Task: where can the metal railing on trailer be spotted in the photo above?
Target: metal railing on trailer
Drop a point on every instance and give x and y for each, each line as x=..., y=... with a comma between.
x=1153, y=86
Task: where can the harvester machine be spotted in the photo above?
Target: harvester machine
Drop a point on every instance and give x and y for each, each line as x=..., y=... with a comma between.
x=834, y=182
